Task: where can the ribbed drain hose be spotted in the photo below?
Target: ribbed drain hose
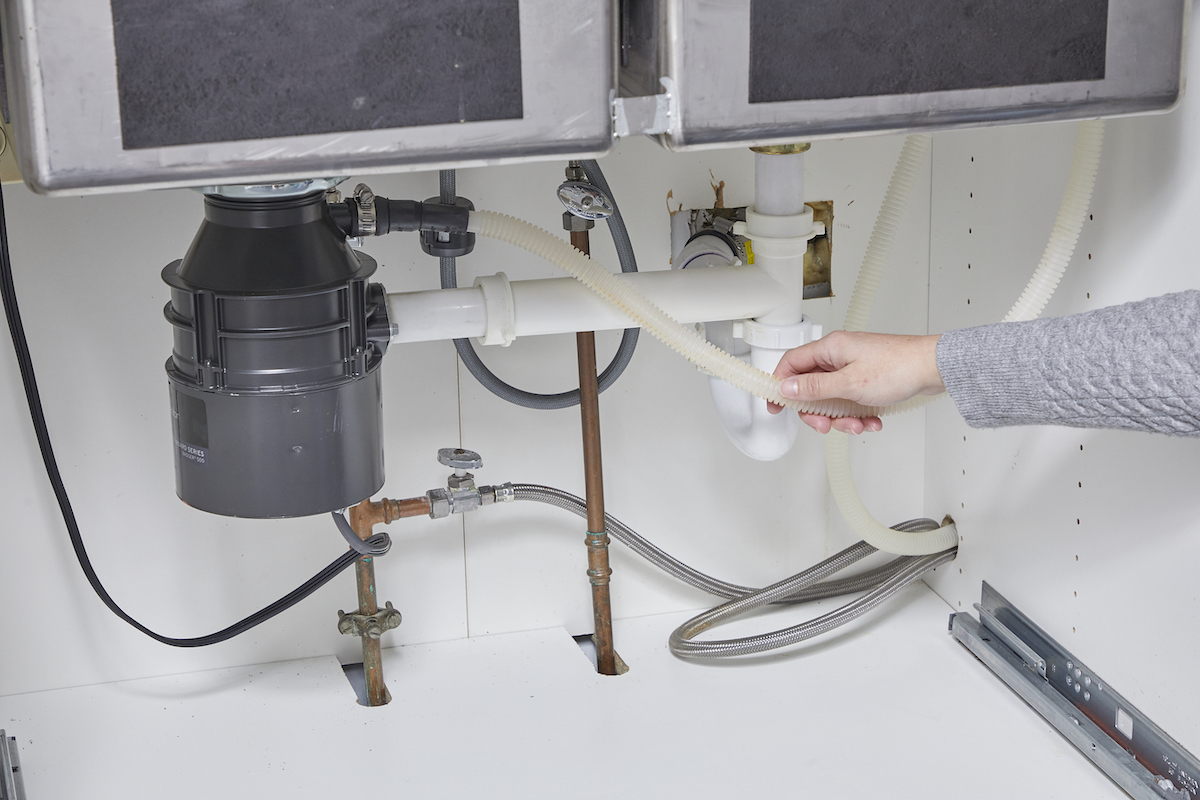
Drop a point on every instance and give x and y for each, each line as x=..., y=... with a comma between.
x=1089, y=141
x=609, y=375
x=1072, y=213
x=887, y=225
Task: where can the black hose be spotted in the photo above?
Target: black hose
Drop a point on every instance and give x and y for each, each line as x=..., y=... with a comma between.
x=475, y=365
x=13, y=314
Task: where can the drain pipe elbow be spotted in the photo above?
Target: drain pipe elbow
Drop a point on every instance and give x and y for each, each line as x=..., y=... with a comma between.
x=779, y=227
x=750, y=427
x=744, y=418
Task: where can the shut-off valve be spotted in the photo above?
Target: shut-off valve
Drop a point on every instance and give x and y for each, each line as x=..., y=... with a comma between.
x=461, y=494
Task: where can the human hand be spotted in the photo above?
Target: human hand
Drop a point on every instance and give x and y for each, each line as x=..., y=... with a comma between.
x=872, y=369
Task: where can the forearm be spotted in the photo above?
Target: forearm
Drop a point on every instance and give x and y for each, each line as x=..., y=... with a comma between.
x=1132, y=366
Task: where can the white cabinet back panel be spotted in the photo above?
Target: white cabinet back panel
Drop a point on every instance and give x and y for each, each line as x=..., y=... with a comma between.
x=1094, y=534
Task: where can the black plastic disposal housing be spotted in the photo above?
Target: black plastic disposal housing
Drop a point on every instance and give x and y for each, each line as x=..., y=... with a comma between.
x=274, y=377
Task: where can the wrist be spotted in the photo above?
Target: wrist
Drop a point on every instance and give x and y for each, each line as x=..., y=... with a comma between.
x=931, y=383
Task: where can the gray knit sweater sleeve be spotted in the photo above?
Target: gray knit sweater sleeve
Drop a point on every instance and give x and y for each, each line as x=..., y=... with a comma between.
x=1131, y=366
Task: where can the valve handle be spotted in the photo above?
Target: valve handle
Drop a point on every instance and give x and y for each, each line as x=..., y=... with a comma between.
x=457, y=458
x=584, y=200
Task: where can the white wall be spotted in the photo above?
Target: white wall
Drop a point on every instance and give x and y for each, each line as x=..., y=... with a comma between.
x=87, y=276
x=1094, y=534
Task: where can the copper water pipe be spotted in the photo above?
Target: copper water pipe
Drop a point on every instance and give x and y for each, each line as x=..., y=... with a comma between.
x=599, y=571
x=363, y=519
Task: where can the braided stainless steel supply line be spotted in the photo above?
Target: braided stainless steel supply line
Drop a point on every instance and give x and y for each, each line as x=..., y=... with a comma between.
x=682, y=644
x=817, y=590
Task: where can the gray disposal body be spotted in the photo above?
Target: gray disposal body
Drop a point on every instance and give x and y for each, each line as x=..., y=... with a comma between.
x=275, y=387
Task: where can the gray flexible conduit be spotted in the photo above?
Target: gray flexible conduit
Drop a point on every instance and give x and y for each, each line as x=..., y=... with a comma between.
x=447, y=192
x=811, y=584
x=466, y=351
x=375, y=545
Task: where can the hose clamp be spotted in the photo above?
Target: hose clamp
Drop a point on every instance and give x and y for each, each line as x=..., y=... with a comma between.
x=365, y=199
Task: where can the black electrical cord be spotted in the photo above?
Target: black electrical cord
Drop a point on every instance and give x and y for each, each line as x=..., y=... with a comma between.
x=13, y=315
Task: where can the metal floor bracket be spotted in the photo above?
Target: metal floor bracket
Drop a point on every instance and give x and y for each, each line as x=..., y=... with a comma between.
x=1119, y=739
x=11, y=785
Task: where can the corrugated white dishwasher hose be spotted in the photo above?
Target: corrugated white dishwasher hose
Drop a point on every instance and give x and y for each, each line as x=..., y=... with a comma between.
x=1089, y=139
x=695, y=348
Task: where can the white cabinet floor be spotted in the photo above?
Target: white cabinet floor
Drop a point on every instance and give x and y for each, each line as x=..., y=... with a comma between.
x=889, y=707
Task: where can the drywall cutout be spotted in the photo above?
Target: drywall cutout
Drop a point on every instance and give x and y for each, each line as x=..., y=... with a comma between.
x=357, y=677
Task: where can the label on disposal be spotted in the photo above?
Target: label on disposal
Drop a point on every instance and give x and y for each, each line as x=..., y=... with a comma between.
x=190, y=423
x=192, y=453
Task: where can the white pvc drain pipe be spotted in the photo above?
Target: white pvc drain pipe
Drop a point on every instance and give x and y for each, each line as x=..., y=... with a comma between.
x=696, y=349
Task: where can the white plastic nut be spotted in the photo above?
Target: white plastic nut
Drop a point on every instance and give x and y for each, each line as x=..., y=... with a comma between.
x=793, y=226
x=778, y=337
